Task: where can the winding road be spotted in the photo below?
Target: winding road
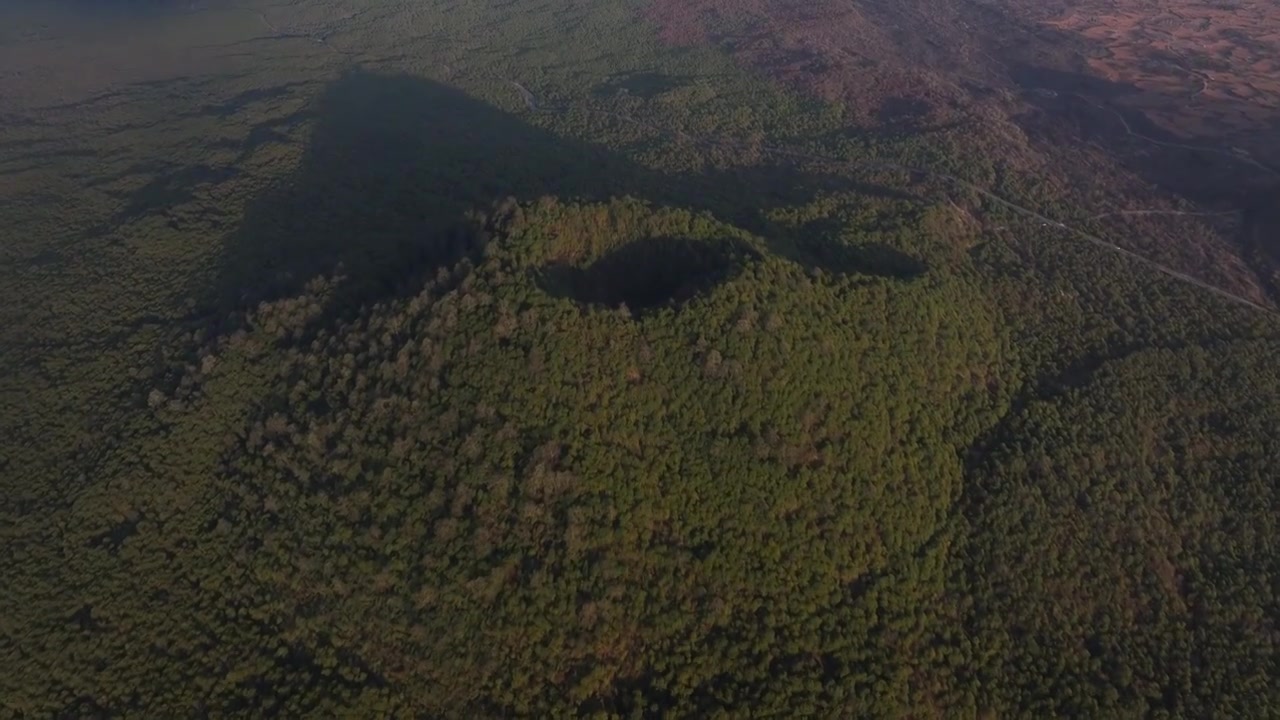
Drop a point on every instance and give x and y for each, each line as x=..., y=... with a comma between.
x=531, y=102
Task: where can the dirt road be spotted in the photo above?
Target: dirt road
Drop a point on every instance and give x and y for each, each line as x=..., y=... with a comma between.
x=781, y=152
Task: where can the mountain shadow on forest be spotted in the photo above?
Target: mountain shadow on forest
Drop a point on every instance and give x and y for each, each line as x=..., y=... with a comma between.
x=1033, y=77
x=648, y=275
x=397, y=169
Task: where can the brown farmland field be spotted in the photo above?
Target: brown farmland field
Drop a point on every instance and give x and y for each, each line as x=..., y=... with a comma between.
x=1157, y=120
x=1222, y=62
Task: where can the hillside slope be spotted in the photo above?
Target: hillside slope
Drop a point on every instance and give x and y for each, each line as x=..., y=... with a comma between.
x=341, y=380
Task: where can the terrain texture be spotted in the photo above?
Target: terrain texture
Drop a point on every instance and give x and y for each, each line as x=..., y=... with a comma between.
x=638, y=359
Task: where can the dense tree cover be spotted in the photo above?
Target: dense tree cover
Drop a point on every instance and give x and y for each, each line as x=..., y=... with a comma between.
x=492, y=495
x=826, y=443
x=1125, y=564
x=509, y=492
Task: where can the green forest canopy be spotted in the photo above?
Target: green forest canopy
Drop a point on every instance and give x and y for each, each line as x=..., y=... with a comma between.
x=502, y=493
x=669, y=431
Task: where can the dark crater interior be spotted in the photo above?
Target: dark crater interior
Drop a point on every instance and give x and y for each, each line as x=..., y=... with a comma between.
x=649, y=274
x=869, y=259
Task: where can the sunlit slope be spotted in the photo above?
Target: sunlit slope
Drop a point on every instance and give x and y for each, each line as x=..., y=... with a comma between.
x=1123, y=556
x=725, y=412
x=509, y=491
